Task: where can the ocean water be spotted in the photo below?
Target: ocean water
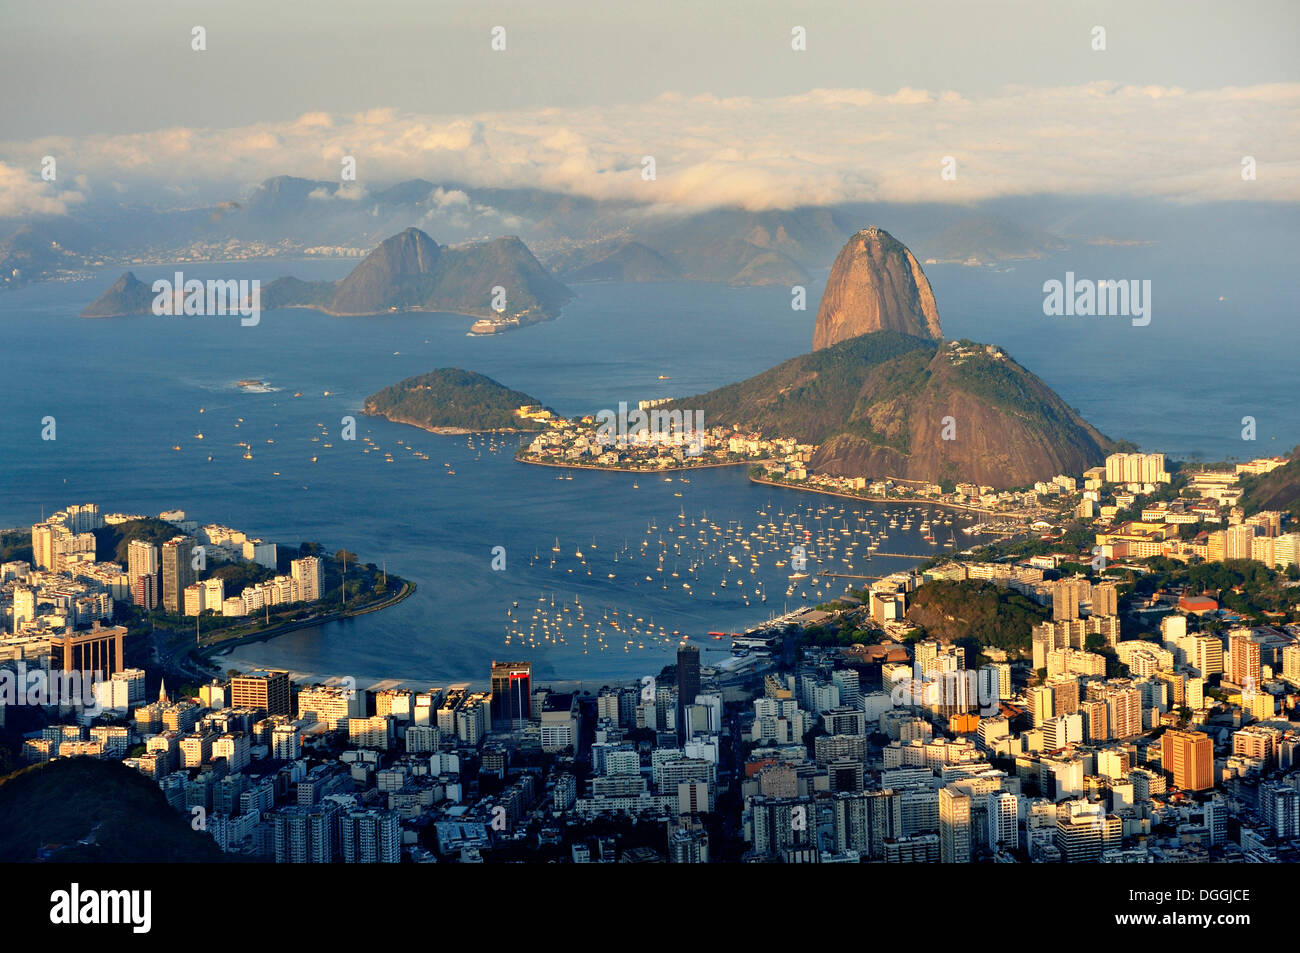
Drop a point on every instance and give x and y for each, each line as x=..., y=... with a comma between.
x=124, y=391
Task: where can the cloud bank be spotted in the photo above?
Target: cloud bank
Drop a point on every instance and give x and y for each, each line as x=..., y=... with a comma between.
x=820, y=147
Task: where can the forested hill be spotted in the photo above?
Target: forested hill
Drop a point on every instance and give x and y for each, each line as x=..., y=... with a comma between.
x=450, y=398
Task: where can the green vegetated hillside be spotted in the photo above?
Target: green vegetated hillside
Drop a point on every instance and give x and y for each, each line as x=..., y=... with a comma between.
x=16, y=545
x=949, y=611
x=877, y=406
x=452, y=398
x=813, y=396
x=120, y=815
x=113, y=542
x=1279, y=490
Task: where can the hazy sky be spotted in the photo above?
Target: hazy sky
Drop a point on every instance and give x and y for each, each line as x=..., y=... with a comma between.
x=86, y=66
x=713, y=89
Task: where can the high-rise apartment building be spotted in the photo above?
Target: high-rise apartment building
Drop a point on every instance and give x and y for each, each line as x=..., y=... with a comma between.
x=1237, y=542
x=1004, y=820
x=954, y=826
x=1243, y=660
x=177, y=572
x=1066, y=595
x=309, y=574
x=1208, y=655
x=1136, y=468
x=370, y=837
x=143, y=563
x=1105, y=599
x=24, y=606
x=1123, y=711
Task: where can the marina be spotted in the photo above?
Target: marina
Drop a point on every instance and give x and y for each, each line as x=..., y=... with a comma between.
x=694, y=559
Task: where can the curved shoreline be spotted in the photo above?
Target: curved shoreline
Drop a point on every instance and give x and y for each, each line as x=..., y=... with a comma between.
x=444, y=431
x=207, y=650
x=896, y=501
x=654, y=470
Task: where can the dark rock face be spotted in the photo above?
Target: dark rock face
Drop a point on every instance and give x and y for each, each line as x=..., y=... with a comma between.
x=128, y=295
x=876, y=284
x=412, y=272
x=390, y=276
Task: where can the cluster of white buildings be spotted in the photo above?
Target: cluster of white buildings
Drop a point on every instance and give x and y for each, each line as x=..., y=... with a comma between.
x=304, y=583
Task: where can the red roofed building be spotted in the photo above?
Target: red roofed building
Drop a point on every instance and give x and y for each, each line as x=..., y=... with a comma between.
x=1198, y=605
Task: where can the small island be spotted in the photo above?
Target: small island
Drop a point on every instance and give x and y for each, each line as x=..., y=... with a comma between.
x=451, y=400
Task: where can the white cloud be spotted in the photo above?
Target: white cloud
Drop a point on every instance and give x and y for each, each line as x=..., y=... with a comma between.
x=825, y=145
x=347, y=191
x=23, y=193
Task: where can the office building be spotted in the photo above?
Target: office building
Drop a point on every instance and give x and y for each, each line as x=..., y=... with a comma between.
x=97, y=650
x=688, y=674
x=267, y=690
x=511, y=694
x=1189, y=757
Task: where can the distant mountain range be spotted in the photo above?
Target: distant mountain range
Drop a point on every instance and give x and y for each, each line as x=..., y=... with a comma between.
x=407, y=272
x=412, y=272
x=986, y=240
x=578, y=238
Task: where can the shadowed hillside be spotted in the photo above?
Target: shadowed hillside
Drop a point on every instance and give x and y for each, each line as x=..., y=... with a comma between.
x=89, y=811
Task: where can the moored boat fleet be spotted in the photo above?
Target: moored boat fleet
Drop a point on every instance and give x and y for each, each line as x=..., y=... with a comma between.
x=808, y=549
